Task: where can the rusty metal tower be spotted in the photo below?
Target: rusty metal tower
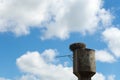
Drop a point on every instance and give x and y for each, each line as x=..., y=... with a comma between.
x=84, y=66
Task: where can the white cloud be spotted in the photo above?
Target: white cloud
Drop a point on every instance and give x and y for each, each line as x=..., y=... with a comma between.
x=98, y=76
x=35, y=67
x=58, y=18
x=28, y=77
x=49, y=55
x=106, y=17
x=111, y=77
x=104, y=56
x=18, y=16
x=34, y=63
x=112, y=37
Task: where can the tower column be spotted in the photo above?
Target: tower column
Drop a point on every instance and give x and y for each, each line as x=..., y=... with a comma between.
x=83, y=61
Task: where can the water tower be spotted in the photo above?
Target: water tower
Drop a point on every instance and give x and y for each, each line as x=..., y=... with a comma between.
x=84, y=66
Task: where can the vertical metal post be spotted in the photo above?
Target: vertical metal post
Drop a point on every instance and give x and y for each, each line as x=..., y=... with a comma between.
x=83, y=61
x=85, y=78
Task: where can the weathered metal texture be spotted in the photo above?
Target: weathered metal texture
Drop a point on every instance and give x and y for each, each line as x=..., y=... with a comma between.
x=75, y=46
x=84, y=78
x=83, y=61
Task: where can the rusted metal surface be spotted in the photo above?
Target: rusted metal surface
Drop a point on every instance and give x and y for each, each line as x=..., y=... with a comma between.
x=84, y=78
x=75, y=46
x=84, y=66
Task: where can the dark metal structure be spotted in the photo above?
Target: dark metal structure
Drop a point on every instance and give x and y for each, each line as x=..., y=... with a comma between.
x=84, y=66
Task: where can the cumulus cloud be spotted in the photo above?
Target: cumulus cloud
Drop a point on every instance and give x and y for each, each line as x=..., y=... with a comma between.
x=28, y=77
x=35, y=67
x=18, y=16
x=49, y=55
x=111, y=77
x=34, y=63
x=104, y=56
x=112, y=37
x=98, y=76
x=55, y=18
x=106, y=17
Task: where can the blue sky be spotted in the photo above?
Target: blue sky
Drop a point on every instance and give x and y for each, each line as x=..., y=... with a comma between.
x=34, y=32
